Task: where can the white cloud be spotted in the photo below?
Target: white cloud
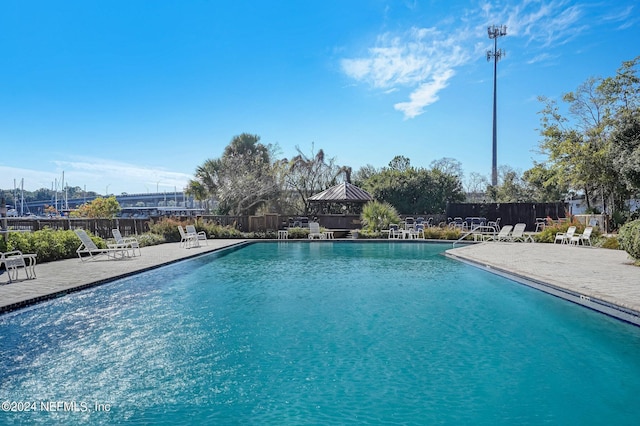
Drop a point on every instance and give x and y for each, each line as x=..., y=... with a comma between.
x=425, y=59
x=425, y=94
x=422, y=59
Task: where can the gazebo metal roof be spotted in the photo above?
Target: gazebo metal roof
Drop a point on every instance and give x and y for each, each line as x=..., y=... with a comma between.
x=344, y=192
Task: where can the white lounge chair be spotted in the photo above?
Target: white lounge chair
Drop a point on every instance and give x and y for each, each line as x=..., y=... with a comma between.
x=503, y=235
x=518, y=233
x=188, y=240
x=565, y=237
x=314, y=231
x=584, y=238
x=90, y=248
x=131, y=243
x=15, y=260
x=201, y=236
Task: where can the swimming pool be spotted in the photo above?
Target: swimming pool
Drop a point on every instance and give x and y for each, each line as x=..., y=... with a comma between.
x=321, y=333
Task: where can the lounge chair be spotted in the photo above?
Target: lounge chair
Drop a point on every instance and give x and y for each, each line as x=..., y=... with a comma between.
x=131, y=243
x=565, y=237
x=518, y=233
x=503, y=235
x=89, y=247
x=314, y=231
x=14, y=260
x=584, y=238
x=188, y=240
x=202, y=236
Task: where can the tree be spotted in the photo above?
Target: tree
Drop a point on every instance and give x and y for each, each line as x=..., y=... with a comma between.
x=510, y=188
x=309, y=175
x=626, y=150
x=476, y=187
x=577, y=145
x=364, y=173
x=414, y=190
x=623, y=91
x=449, y=166
x=100, y=207
x=592, y=147
x=542, y=184
x=242, y=180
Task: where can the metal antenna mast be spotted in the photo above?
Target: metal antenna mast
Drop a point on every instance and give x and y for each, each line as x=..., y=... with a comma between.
x=494, y=32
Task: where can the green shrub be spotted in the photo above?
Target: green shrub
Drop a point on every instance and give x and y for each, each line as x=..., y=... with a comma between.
x=167, y=228
x=48, y=244
x=214, y=230
x=150, y=239
x=20, y=241
x=267, y=235
x=377, y=216
x=629, y=239
x=296, y=233
x=368, y=234
x=609, y=243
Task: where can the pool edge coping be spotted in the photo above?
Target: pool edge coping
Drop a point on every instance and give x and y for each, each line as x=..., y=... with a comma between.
x=5, y=309
x=621, y=313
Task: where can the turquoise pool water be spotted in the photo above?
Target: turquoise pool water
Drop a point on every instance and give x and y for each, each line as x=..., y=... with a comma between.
x=320, y=333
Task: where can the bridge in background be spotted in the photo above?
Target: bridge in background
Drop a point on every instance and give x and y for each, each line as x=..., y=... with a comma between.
x=127, y=201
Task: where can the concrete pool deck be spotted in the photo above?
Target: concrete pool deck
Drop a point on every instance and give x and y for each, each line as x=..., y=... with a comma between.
x=64, y=276
x=601, y=279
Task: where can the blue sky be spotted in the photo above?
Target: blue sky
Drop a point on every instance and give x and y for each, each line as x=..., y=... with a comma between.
x=131, y=96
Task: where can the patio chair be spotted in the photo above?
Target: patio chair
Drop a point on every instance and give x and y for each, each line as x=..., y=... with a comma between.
x=518, y=233
x=565, y=237
x=584, y=238
x=90, y=248
x=394, y=231
x=503, y=235
x=541, y=223
x=131, y=243
x=15, y=260
x=409, y=223
x=495, y=224
x=459, y=223
x=314, y=231
x=187, y=240
x=202, y=236
x=418, y=231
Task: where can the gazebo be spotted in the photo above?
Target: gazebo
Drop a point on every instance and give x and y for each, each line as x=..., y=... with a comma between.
x=343, y=198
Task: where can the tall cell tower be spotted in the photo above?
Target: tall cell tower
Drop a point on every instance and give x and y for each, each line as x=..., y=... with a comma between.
x=495, y=32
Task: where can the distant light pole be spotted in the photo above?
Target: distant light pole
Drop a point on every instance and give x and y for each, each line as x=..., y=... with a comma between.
x=495, y=32
x=107, y=190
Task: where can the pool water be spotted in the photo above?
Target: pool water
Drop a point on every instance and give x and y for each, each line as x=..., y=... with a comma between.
x=319, y=333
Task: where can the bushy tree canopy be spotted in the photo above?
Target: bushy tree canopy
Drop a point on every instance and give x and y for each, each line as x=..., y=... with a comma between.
x=100, y=207
x=242, y=179
x=414, y=190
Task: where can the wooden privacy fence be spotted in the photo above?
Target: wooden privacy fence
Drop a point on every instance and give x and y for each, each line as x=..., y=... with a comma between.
x=509, y=213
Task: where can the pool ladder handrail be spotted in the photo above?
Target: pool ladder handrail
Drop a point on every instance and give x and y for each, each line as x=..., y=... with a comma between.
x=471, y=232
